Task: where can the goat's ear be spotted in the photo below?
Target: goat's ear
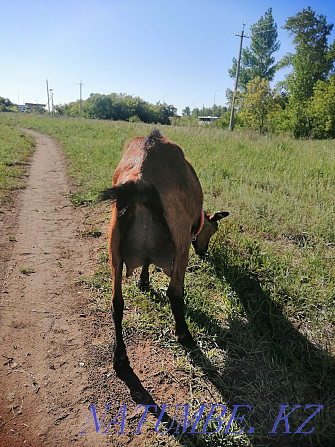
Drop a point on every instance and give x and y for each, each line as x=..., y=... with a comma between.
x=218, y=216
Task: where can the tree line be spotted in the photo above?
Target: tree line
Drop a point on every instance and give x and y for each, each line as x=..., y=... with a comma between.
x=119, y=107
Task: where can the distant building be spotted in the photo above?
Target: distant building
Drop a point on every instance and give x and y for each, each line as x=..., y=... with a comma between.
x=207, y=119
x=31, y=106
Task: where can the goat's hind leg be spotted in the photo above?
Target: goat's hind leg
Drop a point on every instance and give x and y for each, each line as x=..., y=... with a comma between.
x=175, y=294
x=117, y=305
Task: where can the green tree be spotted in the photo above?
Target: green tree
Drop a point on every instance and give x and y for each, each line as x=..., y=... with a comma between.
x=165, y=112
x=98, y=107
x=196, y=112
x=119, y=106
x=71, y=109
x=313, y=59
x=6, y=105
x=186, y=111
x=312, y=62
x=323, y=108
x=257, y=106
x=224, y=120
x=257, y=59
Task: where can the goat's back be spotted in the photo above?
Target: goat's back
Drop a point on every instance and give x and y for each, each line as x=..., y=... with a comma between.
x=161, y=163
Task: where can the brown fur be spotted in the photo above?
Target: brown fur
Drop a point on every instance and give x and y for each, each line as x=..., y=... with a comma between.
x=155, y=214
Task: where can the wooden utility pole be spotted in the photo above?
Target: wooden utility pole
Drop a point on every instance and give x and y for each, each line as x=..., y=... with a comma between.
x=52, y=101
x=231, y=123
x=48, y=97
x=81, y=85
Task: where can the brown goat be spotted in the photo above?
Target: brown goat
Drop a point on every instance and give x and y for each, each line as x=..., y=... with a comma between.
x=156, y=214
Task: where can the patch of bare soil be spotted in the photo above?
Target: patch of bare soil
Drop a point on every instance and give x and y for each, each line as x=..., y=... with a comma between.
x=43, y=357
x=53, y=366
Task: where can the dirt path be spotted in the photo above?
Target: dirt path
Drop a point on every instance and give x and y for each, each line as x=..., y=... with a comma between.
x=43, y=370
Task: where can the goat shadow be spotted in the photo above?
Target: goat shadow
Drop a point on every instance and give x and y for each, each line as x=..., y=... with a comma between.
x=283, y=351
x=141, y=396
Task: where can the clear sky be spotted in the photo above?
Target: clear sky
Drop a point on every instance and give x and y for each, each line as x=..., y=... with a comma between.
x=177, y=51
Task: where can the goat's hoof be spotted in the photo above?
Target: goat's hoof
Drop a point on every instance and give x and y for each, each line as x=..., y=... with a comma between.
x=120, y=362
x=186, y=340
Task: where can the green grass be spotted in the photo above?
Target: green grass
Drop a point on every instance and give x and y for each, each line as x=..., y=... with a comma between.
x=27, y=271
x=15, y=149
x=261, y=305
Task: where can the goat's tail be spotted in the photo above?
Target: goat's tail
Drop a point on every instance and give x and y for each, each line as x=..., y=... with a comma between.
x=121, y=192
x=127, y=194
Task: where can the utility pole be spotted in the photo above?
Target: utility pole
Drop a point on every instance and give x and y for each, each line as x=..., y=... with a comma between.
x=48, y=97
x=52, y=101
x=81, y=84
x=231, y=124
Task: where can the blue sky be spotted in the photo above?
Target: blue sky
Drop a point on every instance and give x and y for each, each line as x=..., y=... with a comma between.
x=177, y=51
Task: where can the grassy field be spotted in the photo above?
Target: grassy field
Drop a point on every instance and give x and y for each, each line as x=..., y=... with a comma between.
x=15, y=148
x=261, y=305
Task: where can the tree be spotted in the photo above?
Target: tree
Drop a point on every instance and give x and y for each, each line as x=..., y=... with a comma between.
x=224, y=120
x=186, y=111
x=6, y=105
x=165, y=112
x=257, y=59
x=218, y=110
x=196, y=112
x=312, y=62
x=323, y=108
x=71, y=109
x=258, y=105
x=313, y=59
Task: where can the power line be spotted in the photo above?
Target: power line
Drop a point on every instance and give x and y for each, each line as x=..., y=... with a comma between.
x=65, y=86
